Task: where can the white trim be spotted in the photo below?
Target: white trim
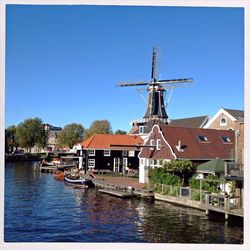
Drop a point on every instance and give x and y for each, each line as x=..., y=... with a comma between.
x=141, y=130
x=118, y=162
x=131, y=153
x=206, y=120
x=152, y=143
x=93, y=154
x=107, y=150
x=223, y=123
x=159, y=131
x=92, y=163
x=158, y=144
x=220, y=112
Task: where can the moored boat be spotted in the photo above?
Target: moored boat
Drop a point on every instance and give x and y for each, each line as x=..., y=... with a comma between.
x=78, y=181
x=59, y=175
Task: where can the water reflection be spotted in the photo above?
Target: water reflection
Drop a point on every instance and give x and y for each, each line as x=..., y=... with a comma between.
x=38, y=208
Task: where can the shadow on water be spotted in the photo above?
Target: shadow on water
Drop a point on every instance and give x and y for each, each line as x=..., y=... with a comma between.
x=40, y=209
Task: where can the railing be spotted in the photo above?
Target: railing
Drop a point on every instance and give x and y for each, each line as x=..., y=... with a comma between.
x=202, y=196
x=234, y=169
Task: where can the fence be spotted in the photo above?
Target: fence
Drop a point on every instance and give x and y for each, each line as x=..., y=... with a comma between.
x=204, y=197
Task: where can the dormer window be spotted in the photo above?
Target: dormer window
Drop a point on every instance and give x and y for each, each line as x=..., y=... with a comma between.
x=223, y=121
x=141, y=129
x=202, y=138
x=225, y=139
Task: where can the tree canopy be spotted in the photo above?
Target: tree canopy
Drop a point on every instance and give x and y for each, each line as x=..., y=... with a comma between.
x=10, y=138
x=98, y=127
x=31, y=133
x=181, y=168
x=120, y=132
x=70, y=135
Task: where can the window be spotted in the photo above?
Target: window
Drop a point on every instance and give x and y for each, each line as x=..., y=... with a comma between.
x=91, y=163
x=154, y=163
x=91, y=152
x=152, y=143
x=225, y=139
x=141, y=129
x=158, y=144
x=106, y=152
x=202, y=138
x=131, y=153
x=223, y=121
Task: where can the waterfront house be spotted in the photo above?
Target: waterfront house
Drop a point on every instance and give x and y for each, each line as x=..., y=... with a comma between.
x=196, y=144
x=111, y=153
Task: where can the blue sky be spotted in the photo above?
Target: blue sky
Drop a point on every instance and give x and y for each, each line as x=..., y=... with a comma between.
x=63, y=62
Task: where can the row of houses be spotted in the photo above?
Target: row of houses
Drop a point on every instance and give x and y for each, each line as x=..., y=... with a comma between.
x=197, y=139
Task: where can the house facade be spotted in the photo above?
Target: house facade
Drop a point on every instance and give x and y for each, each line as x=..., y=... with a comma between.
x=196, y=144
x=108, y=152
x=230, y=119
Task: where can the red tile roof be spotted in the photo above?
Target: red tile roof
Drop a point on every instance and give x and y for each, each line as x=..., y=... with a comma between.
x=104, y=141
x=193, y=148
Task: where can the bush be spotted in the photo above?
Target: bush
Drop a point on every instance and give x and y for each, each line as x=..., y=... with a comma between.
x=159, y=175
x=196, y=195
x=209, y=185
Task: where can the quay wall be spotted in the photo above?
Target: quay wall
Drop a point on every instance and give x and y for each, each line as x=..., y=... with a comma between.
x=178, y=201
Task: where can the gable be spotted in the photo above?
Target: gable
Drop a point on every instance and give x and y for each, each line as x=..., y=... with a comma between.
x=165, y=151
x=231, y=114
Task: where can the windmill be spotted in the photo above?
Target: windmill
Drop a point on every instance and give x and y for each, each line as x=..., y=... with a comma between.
x=156, y=109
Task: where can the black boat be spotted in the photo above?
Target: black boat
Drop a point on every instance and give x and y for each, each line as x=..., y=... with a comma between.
x=78, y=181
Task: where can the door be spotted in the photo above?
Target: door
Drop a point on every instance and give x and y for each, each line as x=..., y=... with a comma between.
x=116, y=164
x=124, y=165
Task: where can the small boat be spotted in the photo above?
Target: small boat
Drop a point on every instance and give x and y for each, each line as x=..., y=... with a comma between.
x=77, y=181
x=59, y=175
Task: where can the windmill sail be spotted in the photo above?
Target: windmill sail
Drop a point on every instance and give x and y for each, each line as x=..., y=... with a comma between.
x=156, y=88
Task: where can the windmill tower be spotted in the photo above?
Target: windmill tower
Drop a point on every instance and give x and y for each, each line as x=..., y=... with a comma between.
x=156, y=108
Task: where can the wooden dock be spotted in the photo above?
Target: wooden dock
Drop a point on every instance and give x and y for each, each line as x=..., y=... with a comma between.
x=117, y=193
x=56, y=167
x=48, y=169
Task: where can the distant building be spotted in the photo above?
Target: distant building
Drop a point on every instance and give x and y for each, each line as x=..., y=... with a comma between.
x=196, y=144
x=52, y=136
x=190, y=122
x=109, y=152
x=230, y=119
x=52, y=139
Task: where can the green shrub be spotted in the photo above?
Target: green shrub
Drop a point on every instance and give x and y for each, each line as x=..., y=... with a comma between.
x=195, y=195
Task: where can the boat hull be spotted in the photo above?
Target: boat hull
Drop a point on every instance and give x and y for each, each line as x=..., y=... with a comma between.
x=77, y=181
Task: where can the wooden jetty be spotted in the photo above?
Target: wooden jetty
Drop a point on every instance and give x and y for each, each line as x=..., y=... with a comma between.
x=212, y=202
x=56, y=167
x=48, y=169
x=121, y=191
x=117, y=193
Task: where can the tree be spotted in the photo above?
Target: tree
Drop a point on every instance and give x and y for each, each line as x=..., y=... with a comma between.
x=70, y=135
x=98, y=127
x=31, y=133
x=182, y=168
x=120, y=132
x=10, y=138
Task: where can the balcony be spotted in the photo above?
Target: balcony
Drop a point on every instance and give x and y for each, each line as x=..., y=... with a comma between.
x=234, y=171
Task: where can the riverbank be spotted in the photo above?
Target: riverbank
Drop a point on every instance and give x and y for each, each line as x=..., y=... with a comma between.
x=211, y=202
x=22, y=157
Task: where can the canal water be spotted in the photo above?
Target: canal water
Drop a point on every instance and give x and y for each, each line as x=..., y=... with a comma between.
x=41, y=209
